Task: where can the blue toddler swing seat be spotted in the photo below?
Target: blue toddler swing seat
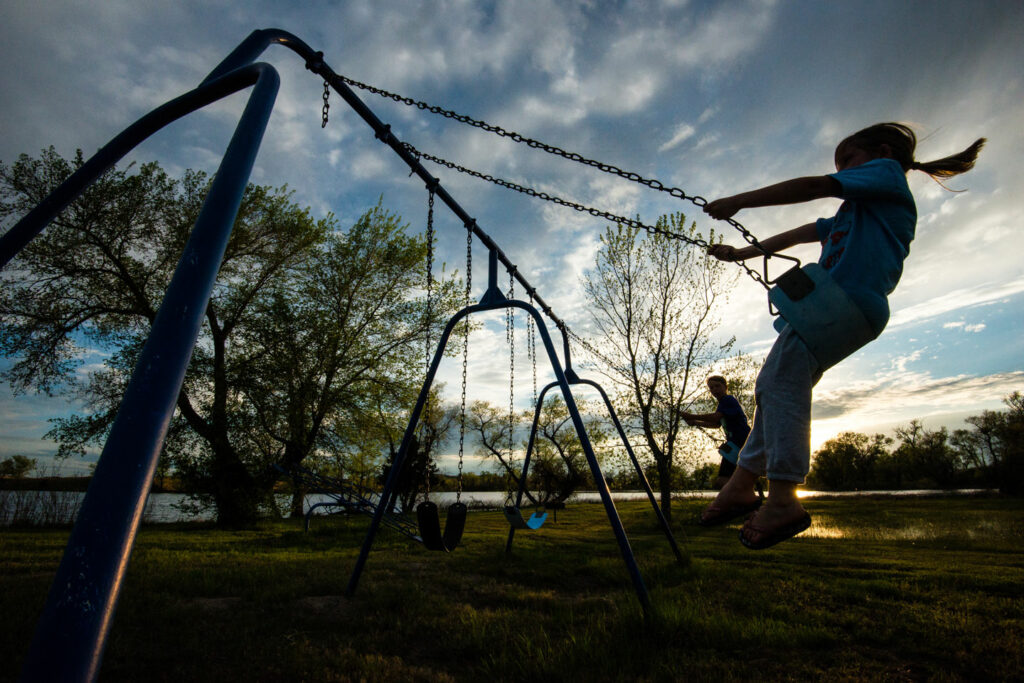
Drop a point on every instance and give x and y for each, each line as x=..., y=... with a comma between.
x=821, y=313
x=514, y=516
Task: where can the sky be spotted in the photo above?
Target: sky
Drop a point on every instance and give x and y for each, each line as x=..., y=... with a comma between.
x=712, y=97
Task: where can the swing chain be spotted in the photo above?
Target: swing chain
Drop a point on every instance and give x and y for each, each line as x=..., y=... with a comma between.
x=327, y=104
x=598, y=213
x=531, y=349
x=530, y=142
x=589, y=347
x=652, y=183
x=510, y=337
x=430, y=266
x=465, y=356
x=429, y=312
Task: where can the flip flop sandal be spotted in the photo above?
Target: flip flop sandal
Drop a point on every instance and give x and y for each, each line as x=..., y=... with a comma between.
x=725, y=516
x=770, y=538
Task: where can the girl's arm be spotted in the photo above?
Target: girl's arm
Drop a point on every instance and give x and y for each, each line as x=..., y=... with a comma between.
x=792, y=191
x=805, y=234
x=787, y=192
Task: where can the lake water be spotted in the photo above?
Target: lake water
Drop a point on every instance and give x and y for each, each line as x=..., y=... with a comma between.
x=61, y=506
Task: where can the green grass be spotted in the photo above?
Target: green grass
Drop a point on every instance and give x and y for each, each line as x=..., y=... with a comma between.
x=877, y=589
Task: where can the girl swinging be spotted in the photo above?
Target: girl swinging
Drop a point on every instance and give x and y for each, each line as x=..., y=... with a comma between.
x=863, y=249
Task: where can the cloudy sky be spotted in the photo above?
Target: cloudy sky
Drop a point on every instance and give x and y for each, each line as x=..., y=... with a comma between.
x=712, y=97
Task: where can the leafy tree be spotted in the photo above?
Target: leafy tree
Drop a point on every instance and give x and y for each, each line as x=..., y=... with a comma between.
x=420, y=473
x=849, y=461
x=304, y=319
x=929, y=454
x=491, y=427
x=653, y=300
x=558, y=466
x=999, y=442
x=703, y=476
x=17, y=466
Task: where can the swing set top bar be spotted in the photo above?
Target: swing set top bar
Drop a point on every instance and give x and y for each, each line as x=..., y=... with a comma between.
x=253, y=46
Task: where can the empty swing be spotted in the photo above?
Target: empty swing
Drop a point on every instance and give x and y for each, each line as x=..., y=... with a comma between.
x=513, y=515
x=427, y=514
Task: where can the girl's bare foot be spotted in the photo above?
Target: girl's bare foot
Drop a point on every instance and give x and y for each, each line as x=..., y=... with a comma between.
x=737, y=498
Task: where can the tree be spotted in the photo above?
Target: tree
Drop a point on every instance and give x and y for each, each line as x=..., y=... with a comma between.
x=999, y=440
x=335, y=339
x=17, y=466
x=302, y=321
x=558, y=466
x=494, y=432
x=849, y=461
x=929, y=454
x=653, y=301
x=420, y=473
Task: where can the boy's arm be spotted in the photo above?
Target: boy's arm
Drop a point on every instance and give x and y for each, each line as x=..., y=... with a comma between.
x=703, y=420
x=805, y=234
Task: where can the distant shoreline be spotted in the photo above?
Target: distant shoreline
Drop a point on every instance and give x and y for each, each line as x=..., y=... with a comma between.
x=170, y=485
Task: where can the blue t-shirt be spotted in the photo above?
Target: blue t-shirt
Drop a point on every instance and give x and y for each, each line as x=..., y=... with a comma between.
x=865, y=243
x=734, y=420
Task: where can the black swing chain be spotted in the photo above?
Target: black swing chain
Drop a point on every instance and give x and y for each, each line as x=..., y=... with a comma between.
x=510, y=338
x=465, y=355
x=652, y=183
x=327, y=104
x=531, y=349
x=429, y=319
x=598, y=213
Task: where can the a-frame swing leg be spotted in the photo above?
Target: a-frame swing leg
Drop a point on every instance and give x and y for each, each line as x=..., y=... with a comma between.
x=588, y=451
x=573, y=380
x=388, y=495
x=602, y=486
x=639, y=470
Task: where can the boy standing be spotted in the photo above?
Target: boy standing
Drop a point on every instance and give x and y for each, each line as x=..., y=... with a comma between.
x=730, y=417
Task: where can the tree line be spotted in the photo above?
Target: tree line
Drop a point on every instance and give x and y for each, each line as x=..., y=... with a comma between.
x=989, y=454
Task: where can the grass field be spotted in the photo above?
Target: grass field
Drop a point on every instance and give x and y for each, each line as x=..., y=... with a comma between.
x=877, y=589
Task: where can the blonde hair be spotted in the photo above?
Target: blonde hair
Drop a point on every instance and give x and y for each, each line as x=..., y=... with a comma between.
x=902, y=142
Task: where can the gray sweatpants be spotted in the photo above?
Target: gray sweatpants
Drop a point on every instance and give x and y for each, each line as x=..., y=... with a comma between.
x=779, y=445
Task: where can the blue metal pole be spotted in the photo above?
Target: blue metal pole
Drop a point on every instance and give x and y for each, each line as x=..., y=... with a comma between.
x=39, y=217
x=588, y=451
x=70, y=637
x=602, y=486
x=639, y=470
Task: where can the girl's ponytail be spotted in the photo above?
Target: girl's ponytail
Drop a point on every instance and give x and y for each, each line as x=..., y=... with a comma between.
x=952, y=165
x=899, y=143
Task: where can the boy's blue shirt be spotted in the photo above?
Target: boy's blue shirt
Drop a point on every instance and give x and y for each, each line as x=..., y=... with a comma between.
x=734, y=420
x=865, y=243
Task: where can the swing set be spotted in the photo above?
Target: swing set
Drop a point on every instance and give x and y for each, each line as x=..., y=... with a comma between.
x=71, y=633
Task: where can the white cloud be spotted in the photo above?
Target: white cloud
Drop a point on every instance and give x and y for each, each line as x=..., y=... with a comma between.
x=902, y=395
x=683, y=132
x=974, y=295
x=961, y=325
